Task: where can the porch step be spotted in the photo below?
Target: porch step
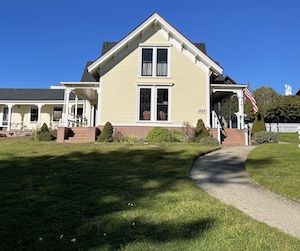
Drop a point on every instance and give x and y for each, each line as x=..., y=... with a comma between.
x=233, y=137
x=78, y=135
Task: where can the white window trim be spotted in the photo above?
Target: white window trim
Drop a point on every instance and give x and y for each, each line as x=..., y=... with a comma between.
x=154, y=59
x=154, y=87
x=33, y=122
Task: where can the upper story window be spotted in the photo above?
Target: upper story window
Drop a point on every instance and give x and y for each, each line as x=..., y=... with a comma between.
x=154, y=62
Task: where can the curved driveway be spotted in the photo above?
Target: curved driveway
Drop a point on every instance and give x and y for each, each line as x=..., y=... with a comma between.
x=222, y=175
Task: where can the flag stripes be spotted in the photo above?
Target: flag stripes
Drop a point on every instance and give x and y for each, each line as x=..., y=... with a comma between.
x=249, y=96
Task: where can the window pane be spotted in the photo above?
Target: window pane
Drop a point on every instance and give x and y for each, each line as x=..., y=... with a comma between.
x=145, y=104
x=57, y=113
x=162, y=62
x=34, y=114
x=147, y=58
x=162, y=104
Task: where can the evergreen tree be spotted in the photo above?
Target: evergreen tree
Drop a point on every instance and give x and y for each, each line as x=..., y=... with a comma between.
x=106, y=134
x=258, y=124
x=200, y=131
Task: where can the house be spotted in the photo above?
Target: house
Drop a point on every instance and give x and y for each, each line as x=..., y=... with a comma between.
x=153, y=77
x=25, y=110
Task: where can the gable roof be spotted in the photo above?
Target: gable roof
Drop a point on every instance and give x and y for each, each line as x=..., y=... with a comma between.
x=156, y=19
x=33, y=94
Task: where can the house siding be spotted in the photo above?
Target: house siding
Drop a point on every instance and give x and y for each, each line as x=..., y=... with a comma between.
x=119, y=98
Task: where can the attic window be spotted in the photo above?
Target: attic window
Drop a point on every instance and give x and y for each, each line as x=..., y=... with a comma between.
x=154, y=62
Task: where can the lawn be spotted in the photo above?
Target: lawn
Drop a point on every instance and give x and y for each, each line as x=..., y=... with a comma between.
x=276, y=166
x=117, y=197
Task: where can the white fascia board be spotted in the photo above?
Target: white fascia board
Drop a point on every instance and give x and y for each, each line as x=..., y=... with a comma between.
x=156, y=19
x=33, y=102
x=80, y=84
x=229, y=86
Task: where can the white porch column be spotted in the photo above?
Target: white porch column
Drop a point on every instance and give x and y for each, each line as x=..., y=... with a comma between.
x=208, y=100
x=241, y=123
x=98, y=117
x=39, y=114
x=84, y=112
x=75, y=112
x=10, y=106
x=92, y=115
x=66, y=106
x=229, y=113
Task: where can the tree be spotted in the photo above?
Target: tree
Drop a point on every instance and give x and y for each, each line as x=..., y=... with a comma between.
x=285, y=109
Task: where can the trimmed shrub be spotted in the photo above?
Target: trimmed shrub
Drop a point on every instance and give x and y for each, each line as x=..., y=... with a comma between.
x=258, y=124
x=44, y=128
x=265, y=137
x=160, y=135
x=200, y=131
x=106, y=133
x=209, y=141
x=117, y=136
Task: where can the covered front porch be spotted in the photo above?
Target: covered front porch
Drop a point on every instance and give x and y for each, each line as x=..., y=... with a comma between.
x=228, y=120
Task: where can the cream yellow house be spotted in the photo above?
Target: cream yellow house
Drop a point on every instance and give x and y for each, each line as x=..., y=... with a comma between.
x=152, y=77
x=155, y=77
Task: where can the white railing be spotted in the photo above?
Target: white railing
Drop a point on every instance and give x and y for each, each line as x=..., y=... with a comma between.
x=76, y=121
x=217, y=124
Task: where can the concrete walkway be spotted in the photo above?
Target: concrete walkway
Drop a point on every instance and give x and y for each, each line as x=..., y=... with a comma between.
x=222, y=175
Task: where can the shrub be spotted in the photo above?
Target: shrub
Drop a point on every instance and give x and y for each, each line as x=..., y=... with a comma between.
x=44, y=134
x=160, y=135
x=200, y=131
x=188, y=132
x=129, y=139
x=258, y=124
x=265, y=137
x=44, y=128
x=106, y=134
x=209, y=141
x=117, y=136
x=176, y=136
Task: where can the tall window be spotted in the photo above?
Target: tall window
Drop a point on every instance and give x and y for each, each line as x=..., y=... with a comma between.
x=154, y=103
x=147, y=58
x=34, y=114
x=5, y=116
x=162, y=62
x=154, y=62
x=57, y=113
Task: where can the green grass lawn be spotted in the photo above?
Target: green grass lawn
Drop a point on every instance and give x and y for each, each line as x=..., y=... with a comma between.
x=117, y=197
x=277, y=166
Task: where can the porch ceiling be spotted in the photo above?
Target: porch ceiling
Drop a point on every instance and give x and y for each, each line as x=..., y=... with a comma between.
x=223, y=91
x=87, y=90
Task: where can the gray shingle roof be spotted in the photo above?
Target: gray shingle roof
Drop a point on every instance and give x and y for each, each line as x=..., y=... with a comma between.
x=201, y=47
x=86, y=76
x=106, y=46
x=33, y=94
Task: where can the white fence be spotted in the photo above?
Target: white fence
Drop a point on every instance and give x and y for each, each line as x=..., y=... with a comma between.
x=281, y=127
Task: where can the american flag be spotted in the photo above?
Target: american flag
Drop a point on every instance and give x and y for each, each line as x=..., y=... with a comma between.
x=249, y=96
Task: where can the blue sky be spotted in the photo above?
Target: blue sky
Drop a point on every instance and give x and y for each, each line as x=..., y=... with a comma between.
x=43, y=43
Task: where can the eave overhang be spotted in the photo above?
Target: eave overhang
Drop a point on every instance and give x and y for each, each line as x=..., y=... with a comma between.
x=156, y=20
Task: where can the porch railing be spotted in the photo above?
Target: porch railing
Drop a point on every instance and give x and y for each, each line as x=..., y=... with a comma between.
x=216, y=123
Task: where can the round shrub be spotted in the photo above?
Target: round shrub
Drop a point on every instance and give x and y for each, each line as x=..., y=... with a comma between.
x=176, y=136
x=158, y=135
x=265, y=137
x=106, y=133
x=209, y=141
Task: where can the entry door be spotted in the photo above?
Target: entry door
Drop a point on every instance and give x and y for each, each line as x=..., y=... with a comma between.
x=5, y=116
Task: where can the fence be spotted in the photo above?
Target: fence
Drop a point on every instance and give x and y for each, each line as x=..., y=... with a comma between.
x=281, y=127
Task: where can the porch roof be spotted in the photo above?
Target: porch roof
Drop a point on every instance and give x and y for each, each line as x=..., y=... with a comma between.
x=223, y=91
x=87, y=90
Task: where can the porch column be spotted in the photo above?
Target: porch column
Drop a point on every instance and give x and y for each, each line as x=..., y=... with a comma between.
x=84, y=112
x=241, y=123
x=229, y=113
x=75, y=112
x=10, y=106
x=98, y=117
x=92, y=115
x=39, y=114
x=66, y=106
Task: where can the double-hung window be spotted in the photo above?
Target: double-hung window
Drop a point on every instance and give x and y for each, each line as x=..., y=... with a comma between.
x=154, y=61
x=57, y=113
x=34, y=114
x=154, y=103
